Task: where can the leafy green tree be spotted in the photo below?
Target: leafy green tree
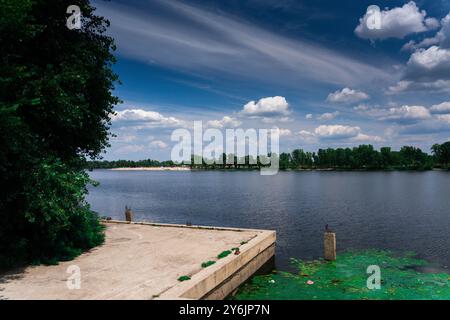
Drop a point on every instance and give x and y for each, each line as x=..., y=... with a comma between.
x=284, y=160
x=414, y=158
x=55, y=107
x=386, y=158
x=442, y=153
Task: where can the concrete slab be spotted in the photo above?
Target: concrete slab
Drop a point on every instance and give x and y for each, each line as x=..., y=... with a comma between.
x=144, y=261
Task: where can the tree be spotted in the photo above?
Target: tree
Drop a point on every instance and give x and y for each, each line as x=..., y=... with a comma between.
x=414, y=158
x=284, y=160
x=55, y=107
x=386, y=157
x=442, y=153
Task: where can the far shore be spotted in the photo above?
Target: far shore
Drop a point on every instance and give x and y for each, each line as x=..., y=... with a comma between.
x=253, y=169
x=153, y=169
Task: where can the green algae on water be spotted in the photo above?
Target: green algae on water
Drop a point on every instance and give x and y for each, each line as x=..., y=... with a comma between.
x=346, y=279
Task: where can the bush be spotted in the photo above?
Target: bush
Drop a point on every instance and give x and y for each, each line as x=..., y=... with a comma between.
x=56, y=222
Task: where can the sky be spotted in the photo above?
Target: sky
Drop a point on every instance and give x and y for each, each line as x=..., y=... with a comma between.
x=323, y=72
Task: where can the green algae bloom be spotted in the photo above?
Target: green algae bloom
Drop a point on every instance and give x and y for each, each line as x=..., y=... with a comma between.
x=346, y=279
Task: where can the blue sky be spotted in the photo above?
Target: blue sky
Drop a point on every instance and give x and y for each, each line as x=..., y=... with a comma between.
x=311, y=68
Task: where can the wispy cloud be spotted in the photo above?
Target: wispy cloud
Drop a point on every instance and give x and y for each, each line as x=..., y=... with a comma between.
x=189, y=38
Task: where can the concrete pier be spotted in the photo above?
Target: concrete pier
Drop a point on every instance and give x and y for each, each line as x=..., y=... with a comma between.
x=145, y=261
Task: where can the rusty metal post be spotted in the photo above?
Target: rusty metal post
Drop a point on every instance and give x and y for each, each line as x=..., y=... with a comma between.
x=329, y=246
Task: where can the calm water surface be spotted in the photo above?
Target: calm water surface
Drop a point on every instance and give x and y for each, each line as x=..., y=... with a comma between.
x=401, y=211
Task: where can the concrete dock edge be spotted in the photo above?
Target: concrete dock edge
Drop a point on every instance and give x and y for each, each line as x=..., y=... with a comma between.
x=221, y=279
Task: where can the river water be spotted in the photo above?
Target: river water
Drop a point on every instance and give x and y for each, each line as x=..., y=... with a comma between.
x=400, y=211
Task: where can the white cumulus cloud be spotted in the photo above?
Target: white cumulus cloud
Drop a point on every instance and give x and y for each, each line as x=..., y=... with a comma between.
x=336, y=131
x=442, y=37
x=397, y=23
x=428, y=68
x=159, y=144
x=441, y=108
x=284, y=132
x=444, y=117
x=225, y=122
x=407, y=114
x=328, y=116
x=266, y=107
x=347, y=95
x=429, y=64
x=361, y=137
x=150, y=118
x=405, y=86
x=361, y=107
x=305, y=133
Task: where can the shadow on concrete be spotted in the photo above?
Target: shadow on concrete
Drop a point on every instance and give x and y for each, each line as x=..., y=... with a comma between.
x=9, y=276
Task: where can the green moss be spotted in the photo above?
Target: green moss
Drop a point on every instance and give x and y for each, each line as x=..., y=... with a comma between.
x=207, y=263
x=346, y=278
x=223, y=254
x=243, y=242
x=184, y=278
x=234, y=249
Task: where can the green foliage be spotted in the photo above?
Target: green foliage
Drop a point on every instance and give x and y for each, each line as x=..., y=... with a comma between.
x=56, y=213
x=184, y=278
x=55, y=107
x=207, y=263
x=346, y=279
x=223, y=254
x=442, y=154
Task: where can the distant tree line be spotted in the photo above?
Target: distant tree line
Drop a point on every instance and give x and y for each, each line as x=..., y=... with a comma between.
x=97, y=164
x=363, y=157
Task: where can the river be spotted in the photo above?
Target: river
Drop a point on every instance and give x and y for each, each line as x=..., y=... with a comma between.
x=400, y=211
